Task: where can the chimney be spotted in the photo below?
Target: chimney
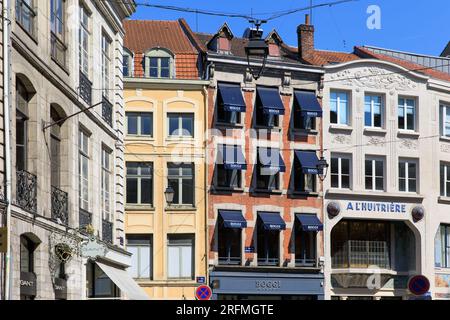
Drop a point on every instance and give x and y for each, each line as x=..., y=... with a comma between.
x=305, y=33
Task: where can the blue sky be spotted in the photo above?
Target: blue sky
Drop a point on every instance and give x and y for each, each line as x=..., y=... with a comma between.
x=421, y=26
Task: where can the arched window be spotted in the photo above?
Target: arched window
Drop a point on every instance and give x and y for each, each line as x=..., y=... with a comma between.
x=22, y=99
x=128, y=66
x=55, y=146
x=28, y=245
x=159, y=64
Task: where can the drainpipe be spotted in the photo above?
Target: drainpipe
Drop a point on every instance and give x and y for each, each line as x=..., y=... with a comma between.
x=206, y=193
x=6, y=118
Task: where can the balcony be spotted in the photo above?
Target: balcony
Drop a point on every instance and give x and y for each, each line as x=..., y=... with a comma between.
x=26, y=193
x=107, y=231
x=230, y=261
x=26, y=16
x=58, y=50
x=362, y=254
x=107, y=109
x=85, y=88
x=60, y=208
x=85, y=218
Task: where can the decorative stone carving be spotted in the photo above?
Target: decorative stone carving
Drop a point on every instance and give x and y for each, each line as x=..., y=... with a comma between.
x=287, y=79
x=445, y=148
x=248, y=78
x=409, y=144
x=342, y=139
x=373, y=141
x=375, y=78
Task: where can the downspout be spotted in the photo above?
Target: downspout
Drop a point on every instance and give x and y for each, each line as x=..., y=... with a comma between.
x=6, y=119
x=206, y=114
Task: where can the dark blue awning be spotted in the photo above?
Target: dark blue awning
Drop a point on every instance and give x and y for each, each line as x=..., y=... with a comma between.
x=231, y=157
x=308, y=160
x=233, y=219
x=272, y=221
x=308, y=103
x=310, y=222
x=231, y=96
x=271, y=159
x=270, y=100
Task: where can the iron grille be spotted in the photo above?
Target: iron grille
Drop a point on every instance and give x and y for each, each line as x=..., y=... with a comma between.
x=27, y=191
x=107, y=109
x=60, y=206
x=107, y=231
x=362, y=254
x=85, y=89
x=85, y=218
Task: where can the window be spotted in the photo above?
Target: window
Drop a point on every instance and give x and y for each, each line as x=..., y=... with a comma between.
x=373, y=111
x=181, y=179
x=375, y=174
x=140, y=246
x=230, y=103
x=268, y=174
x=445, y=179
x=127, y=63
x=339, y=108
x=407, y=175
x=306, y=109
x=266, y=120
x=83, y=169
x=340, y=172
x=268, y=242
x=106, y=184
x=84, y=40
x=445, y=120
x=106, y=64
x=227, y=178
x=406, y=114
x=140, y=123
x=25, y=15
x=159, y=64
x=229, y=243
x=181, y=124
x=99, y=285
x=305, y=247
x=139, y=183
x=58, y=48
x=55, y=147
x=229, y=164
x=22, y=99
x=304, y=181
x=268, y=107
x=442, y=247
x=180, y=257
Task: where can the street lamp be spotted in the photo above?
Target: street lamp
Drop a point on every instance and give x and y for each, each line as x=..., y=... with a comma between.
x=169, y=194
x=322, y=166
x=257, y=49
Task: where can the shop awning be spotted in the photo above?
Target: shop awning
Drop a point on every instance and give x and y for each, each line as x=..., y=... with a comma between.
x=233, y=219
x=271, y=160
x=270, y=100
x=308, y=160
x=231, y=96
x=309, y=222
x=308, y=103
x=272, y=221
x=231, y=157
x=124, y=281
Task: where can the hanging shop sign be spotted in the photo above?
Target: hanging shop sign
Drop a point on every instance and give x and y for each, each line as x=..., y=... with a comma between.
x=93, y=249
x=60, y=286
x=28, y=284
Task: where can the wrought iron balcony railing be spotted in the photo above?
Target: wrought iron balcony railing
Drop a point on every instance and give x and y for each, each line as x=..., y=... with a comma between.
x=60, y=206
x=362, y=254
x=85, y=88
x=107, y=231
x=26, y=193
x=107, y=110
x=58, y=50
x=85, y=218
x=26, y=16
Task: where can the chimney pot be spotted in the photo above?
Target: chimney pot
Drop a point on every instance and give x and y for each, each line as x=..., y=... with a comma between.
x=307, y=19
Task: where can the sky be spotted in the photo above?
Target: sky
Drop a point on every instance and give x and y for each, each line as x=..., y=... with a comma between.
x=421, y=26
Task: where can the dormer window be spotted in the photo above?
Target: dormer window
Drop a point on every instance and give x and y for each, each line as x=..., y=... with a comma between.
x=274, y=50
x=223, y=45
x=159, y=64
x=127, y=63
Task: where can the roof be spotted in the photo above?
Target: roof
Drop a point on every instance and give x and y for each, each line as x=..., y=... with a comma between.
x=366, y=53
x=439, y=63
x=446, y=52
x=142, y=35
x=323, y=57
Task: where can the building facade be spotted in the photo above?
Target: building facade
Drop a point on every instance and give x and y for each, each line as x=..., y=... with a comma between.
x=264, y=194
x=67, y=161
x=165, y=102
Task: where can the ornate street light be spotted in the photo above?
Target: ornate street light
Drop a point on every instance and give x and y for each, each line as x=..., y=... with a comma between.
x=257, y=49
x=322, y=166
x=169, y=194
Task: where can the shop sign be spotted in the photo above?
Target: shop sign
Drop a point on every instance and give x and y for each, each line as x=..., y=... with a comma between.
x=60, y=286
x=267, y=285
x=387, y=207
x=249, y=249
x=28, y=284
x=93, y=249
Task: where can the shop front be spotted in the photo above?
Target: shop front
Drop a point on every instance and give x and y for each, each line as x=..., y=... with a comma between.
x=266, y=285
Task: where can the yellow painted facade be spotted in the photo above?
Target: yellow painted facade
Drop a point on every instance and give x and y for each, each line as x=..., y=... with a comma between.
x=159, y=220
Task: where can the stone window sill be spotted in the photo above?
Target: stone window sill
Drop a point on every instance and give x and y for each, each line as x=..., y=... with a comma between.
x=378, y=131
x=408, y=134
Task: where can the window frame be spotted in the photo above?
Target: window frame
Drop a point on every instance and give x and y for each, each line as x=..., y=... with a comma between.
x=338, y=94
x=83, y=155
x=444, y=192
x=180, y=130
x=372, y=114
x=138, y=176
x=106, y=155
x=20, y=16
x=106, y=45
x=158, y=54
x=141, y=246
x=139, y=116
x=373, y=176
x=407, y=163
x=340, y=158
x=405, y=108
x=181, y=241
x=84, y=34
x=180, y=177
x=443, y=107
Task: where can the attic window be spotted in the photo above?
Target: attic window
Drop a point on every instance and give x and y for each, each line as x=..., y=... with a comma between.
x=159, y=64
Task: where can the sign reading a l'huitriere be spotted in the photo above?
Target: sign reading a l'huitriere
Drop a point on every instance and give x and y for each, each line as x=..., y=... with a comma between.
x=3, y=240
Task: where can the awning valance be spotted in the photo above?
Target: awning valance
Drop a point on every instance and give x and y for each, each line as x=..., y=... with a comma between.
x=308, y=160
x=308, y=103
x=309, y=222
x=233, y=219
x=271, y=160
x=231, y=157
x=231, y=96
x=270, y=100
x=272, y=221
x=124, y=281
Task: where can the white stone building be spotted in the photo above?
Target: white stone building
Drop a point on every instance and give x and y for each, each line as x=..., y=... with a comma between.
x=66, y=57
